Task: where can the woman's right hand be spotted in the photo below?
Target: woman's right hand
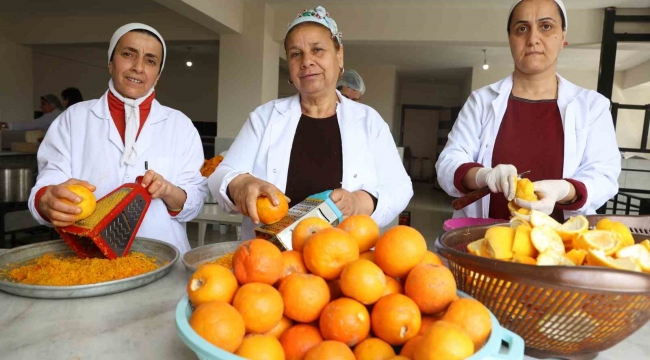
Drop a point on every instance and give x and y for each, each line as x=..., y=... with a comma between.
x=500, y=179
x=58, y=212
x=246, y=188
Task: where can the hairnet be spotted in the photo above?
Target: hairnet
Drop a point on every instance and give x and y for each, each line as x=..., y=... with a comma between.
x=53, y=100
x=319, y=16
x=353, y=80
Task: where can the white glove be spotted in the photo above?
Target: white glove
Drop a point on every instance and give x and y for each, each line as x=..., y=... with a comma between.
x=501, y=179
x=549, y=193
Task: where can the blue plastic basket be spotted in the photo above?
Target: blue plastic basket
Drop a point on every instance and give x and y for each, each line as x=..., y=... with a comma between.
x=206, y=351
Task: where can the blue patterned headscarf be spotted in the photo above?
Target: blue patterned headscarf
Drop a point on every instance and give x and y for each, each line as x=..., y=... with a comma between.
x=319, y=16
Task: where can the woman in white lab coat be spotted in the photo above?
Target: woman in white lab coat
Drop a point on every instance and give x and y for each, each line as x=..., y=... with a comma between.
x=105, y=143
x=533, y=120
x=314, y=141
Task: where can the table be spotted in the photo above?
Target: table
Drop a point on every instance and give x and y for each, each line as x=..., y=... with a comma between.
x=211, y=213
x=137, y=324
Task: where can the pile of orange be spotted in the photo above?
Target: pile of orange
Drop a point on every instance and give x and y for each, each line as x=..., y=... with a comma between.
x=333, y=297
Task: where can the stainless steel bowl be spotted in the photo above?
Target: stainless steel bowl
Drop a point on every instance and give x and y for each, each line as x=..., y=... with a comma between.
x=16, y=183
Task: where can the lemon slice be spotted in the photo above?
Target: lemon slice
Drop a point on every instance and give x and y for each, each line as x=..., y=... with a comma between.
x=617, y=227
x=550, y=258
x=525, y=190
x=637, y=253
x=645, y=243
x=545, y=239
x=516, y=221
x=523, y=245
x=577, y=256
x=538, y=218
x=599, y=258
x=572, y=228
x=523, y=259
x=474, y=247
x=499, y=242
x=608, y=241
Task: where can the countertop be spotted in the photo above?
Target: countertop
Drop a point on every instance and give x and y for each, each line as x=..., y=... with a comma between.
x=138, y=324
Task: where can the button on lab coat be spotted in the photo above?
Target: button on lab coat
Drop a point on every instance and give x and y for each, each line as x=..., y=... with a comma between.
x=83, y=143
x=370, y=158
x=591, y=153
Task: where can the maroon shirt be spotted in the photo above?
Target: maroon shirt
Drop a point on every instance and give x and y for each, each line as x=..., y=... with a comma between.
x=531, y=137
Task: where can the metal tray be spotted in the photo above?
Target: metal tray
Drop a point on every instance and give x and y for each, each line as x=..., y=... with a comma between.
x=202, y=254
x=166, y=255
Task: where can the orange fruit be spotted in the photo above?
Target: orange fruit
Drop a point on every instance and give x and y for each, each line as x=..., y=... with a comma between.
x=368, y=255
x=257, y=260
x=298, y=339
x=260, y=347
x=305, y=296
x=87, y=204
x=293, y=263
x=280, y=328
x=211, y=282
x=399, y=357
x=220, y=324
x=260, y=305
x=335, y=289
x=363, y=281
x=363, y=229
x=399, y=249
x=395, y=319
x=473, y=317
x=270, y=214
x=617, y=227
x=345, y=320
x=373, y=349
x=305, y=229
x=409, y=347
x=444, y=341
x=431, y=258
x=432, y=287
x=330, y=350
x=393, y=286
x=328, y=251
x=426, y=322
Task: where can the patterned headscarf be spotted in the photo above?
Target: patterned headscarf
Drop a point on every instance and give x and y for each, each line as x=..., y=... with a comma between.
x=319, y=16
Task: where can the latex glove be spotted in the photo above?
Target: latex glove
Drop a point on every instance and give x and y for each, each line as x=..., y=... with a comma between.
x=549, y=193
x=501, y=179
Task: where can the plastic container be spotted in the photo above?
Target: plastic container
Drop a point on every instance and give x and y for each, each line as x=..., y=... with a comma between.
x=206, y=351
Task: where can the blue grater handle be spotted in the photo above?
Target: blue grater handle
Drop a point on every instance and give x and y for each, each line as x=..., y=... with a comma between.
x=325, y=196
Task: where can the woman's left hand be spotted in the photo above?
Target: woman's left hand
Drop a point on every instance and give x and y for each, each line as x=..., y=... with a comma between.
x=352, y=203
x=549, y=193
x=159, y=188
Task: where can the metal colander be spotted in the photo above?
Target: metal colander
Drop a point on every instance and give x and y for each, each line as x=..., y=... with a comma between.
x=560, y=311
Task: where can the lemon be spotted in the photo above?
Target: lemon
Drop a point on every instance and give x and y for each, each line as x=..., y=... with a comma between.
x=538, y=218
x=87, y=204
x=517, y=221
x=645, y=243
x=474, y=247
x=523, y=259
x=525, y=190
x=607, y=241
x=572, y=228
x=545, y=239
x=552, y=258
x=523, y=245
x=637, y=253
x=577, y=256
x=598, y=257
x=617, y=227
x=499, y=242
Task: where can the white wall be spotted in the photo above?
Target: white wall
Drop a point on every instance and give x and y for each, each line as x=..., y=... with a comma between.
x=190, y=90
x=425, y=93
x=380, y=95
x=15, y=82
x=629, y=123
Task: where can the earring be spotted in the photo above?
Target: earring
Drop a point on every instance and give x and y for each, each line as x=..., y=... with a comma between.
x=342, y=70
x=290, y=82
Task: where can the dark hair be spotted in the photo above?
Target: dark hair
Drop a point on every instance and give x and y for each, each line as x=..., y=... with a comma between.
x=558, y=8
x=146, y=32
x=336, y=42
x=73, y=95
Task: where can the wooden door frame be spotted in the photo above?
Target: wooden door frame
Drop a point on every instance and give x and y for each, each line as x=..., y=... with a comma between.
x=413, y=107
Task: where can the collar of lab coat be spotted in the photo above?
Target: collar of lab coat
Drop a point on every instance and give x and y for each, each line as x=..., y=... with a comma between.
x=290, y=107
x=101, y=110
x=567, y=91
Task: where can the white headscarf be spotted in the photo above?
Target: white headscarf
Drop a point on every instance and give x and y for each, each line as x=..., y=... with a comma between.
x=558, y=2
x=132, y=106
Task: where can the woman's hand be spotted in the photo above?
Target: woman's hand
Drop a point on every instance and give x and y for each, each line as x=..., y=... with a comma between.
x=159, y=188
x=58, y=212
x=500, y=179
x=246, y=188
x=549, y=193
x=352, y=203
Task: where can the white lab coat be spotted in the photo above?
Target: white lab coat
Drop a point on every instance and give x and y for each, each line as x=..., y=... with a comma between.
x=370, y=159
x=83, y=143
x=591, y=153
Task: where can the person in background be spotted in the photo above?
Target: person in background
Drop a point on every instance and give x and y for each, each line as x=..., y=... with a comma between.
x=351, y=85
x=535, y=120
x=71, y=96
x=104, y=143
x=51, y=107
x=314, y=141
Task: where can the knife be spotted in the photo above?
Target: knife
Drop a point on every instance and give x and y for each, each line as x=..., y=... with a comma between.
x=475, y=195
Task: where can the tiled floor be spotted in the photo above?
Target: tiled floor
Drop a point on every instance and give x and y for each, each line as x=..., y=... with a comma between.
x=429, y=208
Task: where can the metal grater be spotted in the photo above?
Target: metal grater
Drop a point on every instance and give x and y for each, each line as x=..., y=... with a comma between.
x=317, y=205
x=110, y=230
